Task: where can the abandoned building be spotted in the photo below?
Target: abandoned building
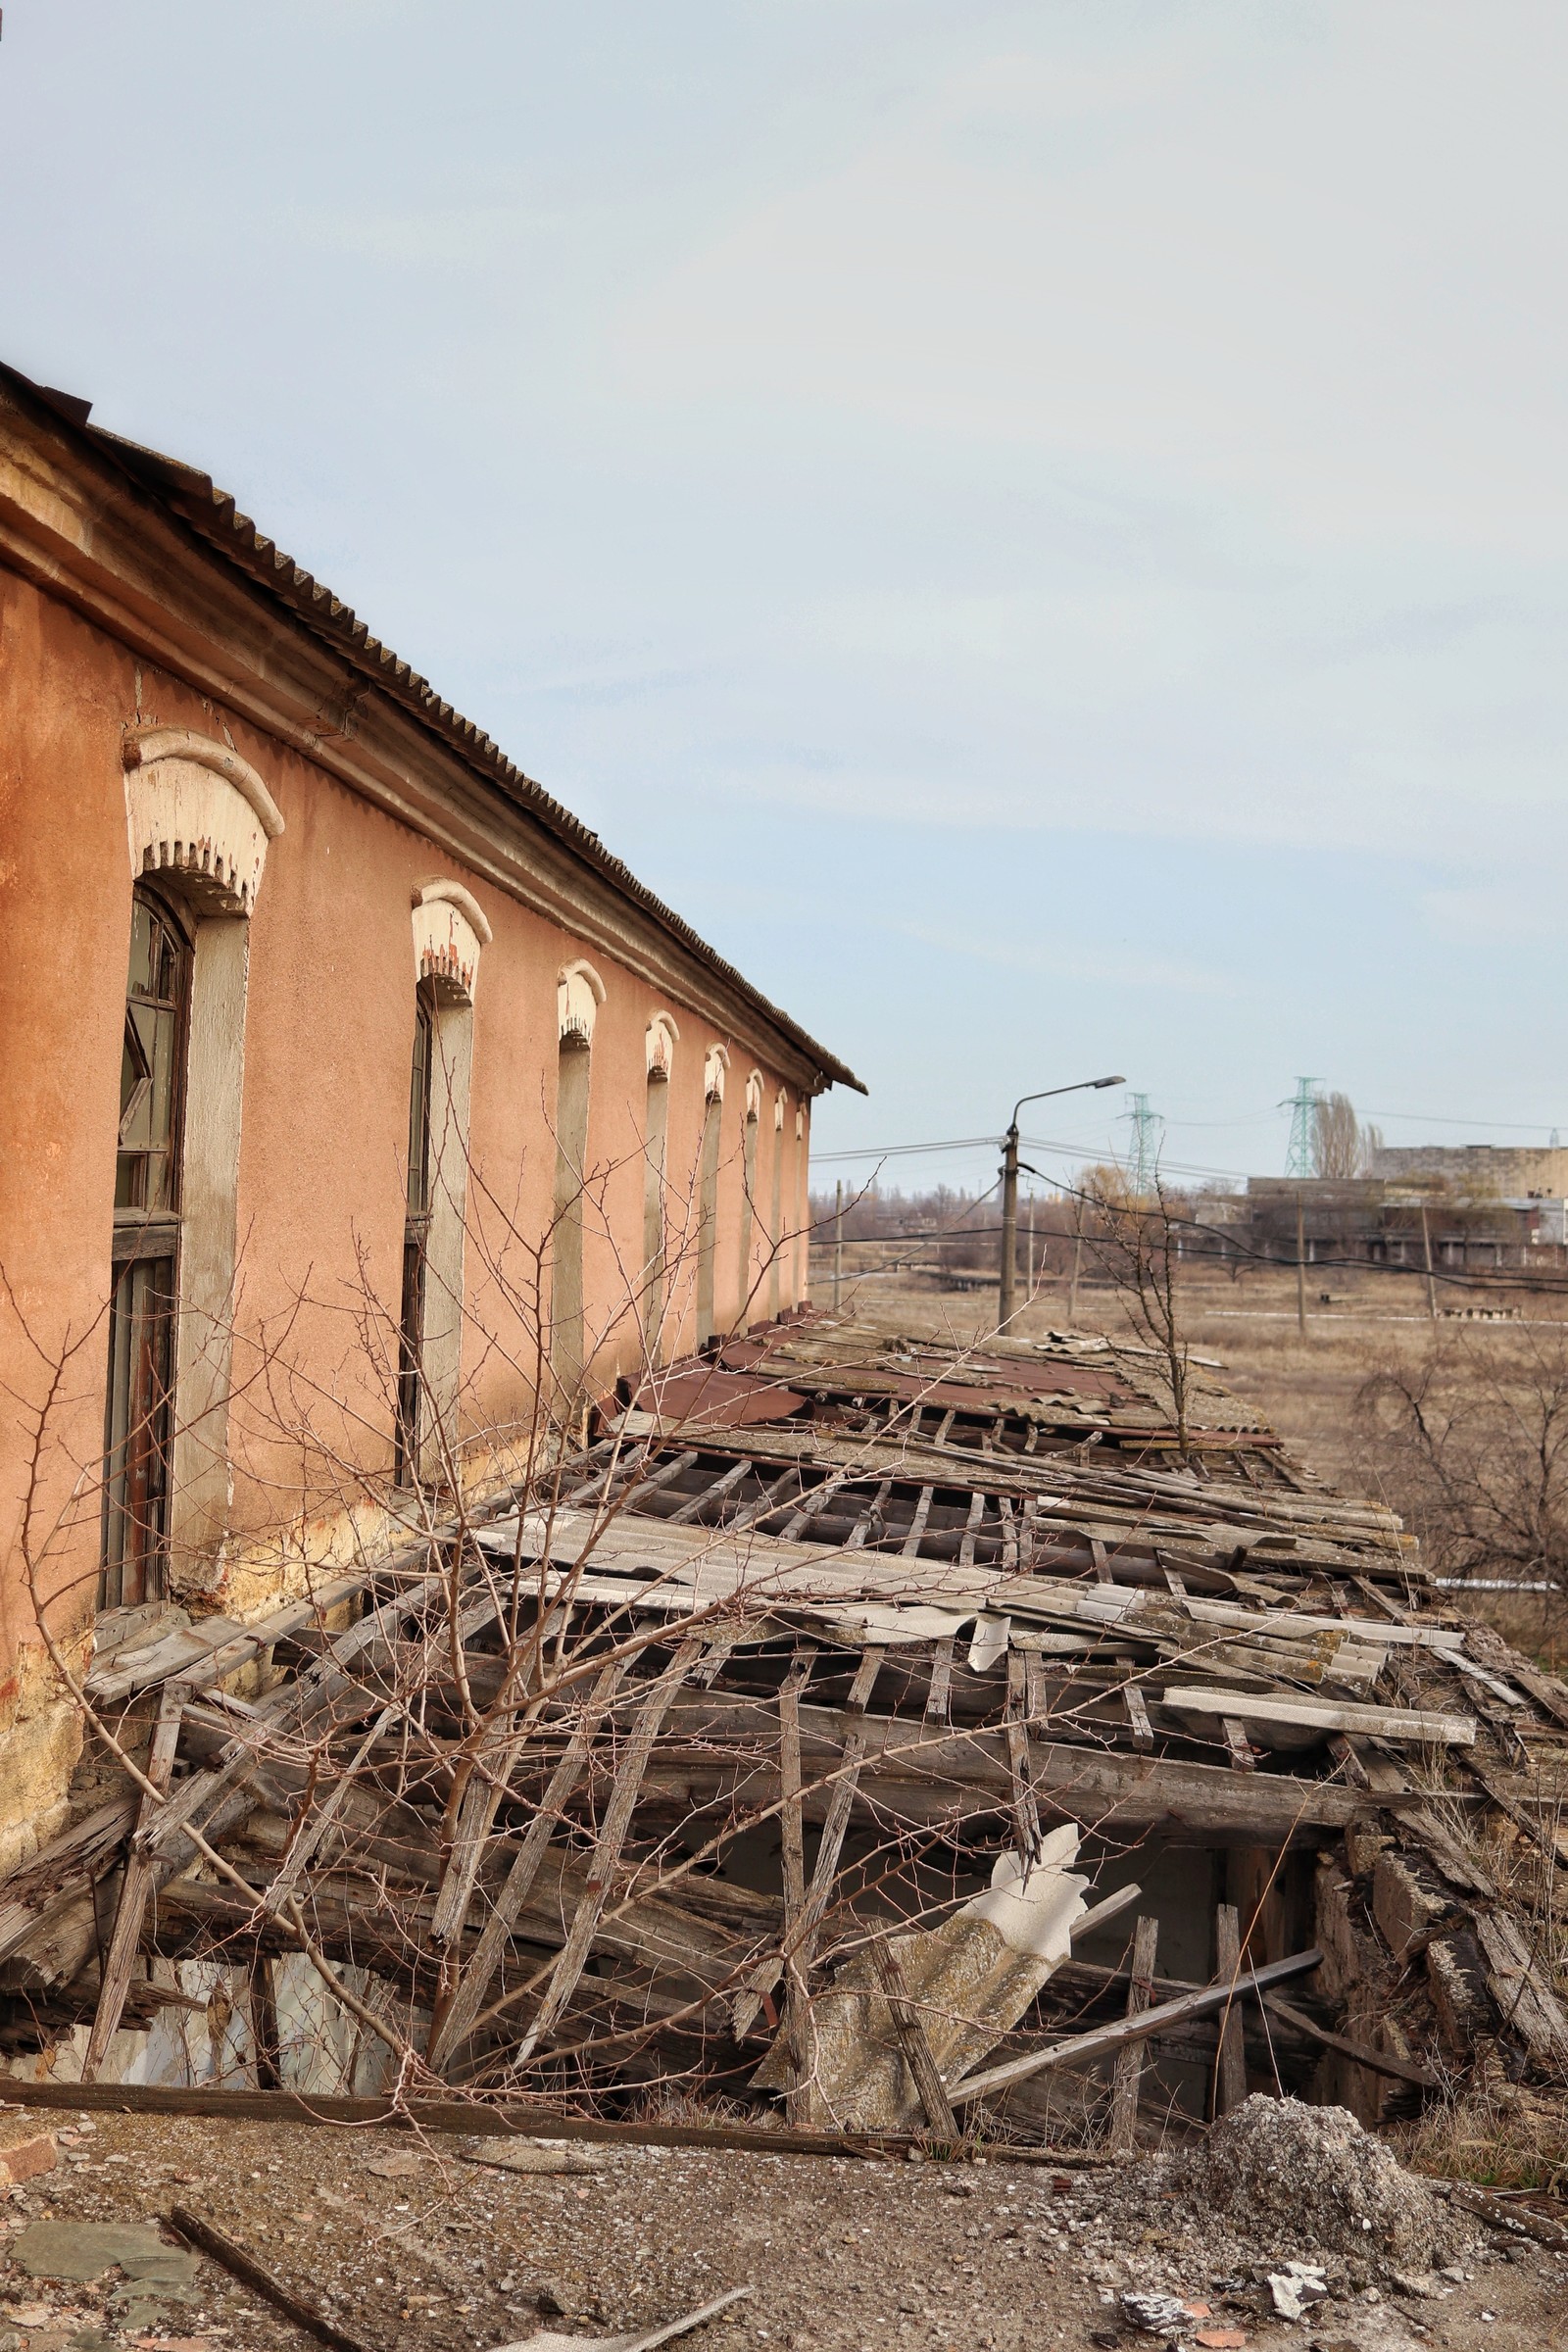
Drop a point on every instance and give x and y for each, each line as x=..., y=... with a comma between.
x=1403, y=1221
x=475, y=1634
x=363, y=1109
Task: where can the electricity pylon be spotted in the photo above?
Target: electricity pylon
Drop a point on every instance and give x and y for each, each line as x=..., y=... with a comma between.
x=1144, y=1149
x=1298, y=1155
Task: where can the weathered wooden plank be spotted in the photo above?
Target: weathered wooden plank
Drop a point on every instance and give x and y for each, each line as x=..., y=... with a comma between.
x=1084, y=2047
x=1377, y=2062
x=1127, y=2074
x=1326, y=1715
x=1230, y=2069
x=478, y=2119
x=606, y=1860
x=910, y=2030
x=136, y=1886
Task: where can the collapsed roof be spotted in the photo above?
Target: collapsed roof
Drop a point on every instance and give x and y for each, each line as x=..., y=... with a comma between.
x=889, y=1734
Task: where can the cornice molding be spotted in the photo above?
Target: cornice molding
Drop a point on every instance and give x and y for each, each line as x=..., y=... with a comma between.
x=105, y=546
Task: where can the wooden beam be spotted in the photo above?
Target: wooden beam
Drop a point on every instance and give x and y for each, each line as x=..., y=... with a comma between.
x=606, y=1861
x=748, y=2003
x=713, y=1491
x=478, y=2119
x=452, y=2029
x=1377, y=2062
x=977, y=1513
x=867, y=1520
x=1025, y=1811
x=839, y=1805
x=810, y=1507
x=1127, y=2074
x=1238, y=1747
x=1084, y=2047
x=939, y=1696
x=1326, y=1715
x=913, y=2040
x=136, y=1886
x=1229, y=2069
x=1132, y=1699
x=917, y=1519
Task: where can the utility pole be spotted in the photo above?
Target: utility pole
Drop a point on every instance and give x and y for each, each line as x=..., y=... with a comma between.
x=1008, y=1272
x=1300, y=1266
x=1077, y=1264
x=1426, y=1250
x=1030, y=1253
x=838, y=1243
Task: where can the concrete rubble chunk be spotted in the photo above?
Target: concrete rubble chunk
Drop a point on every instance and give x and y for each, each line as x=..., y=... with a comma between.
x=535, y=2156
x=1295, y=2288
x=85, y=2250
x=26, y=2149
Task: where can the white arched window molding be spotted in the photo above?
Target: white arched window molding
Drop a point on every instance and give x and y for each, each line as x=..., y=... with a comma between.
x=450, y=927
x=660, y=1043
x=450, y=932
x=199, y=822
x=714, y=1065
x=199, y=815
x=579, y=993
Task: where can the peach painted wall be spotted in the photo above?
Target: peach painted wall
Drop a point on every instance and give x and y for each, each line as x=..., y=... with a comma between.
x=329, y=1036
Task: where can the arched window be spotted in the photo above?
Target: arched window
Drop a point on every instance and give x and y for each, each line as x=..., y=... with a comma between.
x=749, y=1134
x=144, y=1313
x=714, y=1069
x=775, y=1222
x=660, y=1043
x=199, y=822
x=450, y=929
x=579, y=993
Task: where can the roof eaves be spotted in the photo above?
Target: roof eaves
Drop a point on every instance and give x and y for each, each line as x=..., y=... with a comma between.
x=215, y=516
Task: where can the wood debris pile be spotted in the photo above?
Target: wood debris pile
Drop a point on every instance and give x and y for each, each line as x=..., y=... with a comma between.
x=861, y=1732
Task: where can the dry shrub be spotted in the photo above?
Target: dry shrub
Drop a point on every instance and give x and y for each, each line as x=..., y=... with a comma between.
x=1470, y=1442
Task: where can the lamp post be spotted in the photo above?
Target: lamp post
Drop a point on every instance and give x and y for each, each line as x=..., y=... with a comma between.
x=1009, y=1189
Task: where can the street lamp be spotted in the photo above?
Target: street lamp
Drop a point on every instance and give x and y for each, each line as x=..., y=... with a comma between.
x=1009, y=1187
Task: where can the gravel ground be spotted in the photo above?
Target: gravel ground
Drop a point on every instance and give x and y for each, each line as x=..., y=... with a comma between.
x=418, y=2251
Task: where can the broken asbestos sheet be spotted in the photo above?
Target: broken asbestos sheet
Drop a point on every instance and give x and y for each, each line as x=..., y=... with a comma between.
x=969, y=1981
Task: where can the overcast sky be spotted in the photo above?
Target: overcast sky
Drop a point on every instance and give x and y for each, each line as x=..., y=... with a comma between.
x=1041, y=529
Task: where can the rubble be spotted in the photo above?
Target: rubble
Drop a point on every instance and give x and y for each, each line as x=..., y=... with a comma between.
x=1314, y=2177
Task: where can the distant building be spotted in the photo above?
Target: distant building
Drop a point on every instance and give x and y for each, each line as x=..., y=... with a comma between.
x=1374, y=1221
x=1477, y=1171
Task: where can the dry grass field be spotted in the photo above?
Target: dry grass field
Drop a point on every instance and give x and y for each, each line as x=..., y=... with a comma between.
x=1305, y=1387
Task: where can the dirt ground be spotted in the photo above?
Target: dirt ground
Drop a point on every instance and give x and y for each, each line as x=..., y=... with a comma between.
x=447, y=2254
x=1304, y=1386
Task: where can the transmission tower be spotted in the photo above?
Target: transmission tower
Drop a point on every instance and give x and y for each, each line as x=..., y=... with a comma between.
x=1300, y=1106
x=1144, y=1149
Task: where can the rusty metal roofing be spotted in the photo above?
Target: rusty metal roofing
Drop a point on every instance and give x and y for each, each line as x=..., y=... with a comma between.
x=214, y=516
